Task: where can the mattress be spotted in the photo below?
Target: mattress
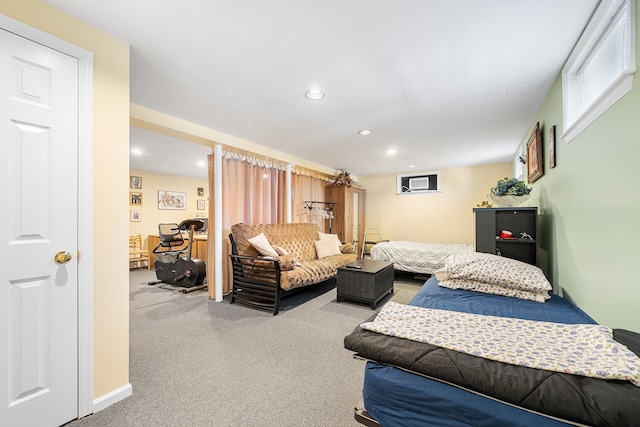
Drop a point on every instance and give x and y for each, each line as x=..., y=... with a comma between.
x=396, y=396
x=415, y=257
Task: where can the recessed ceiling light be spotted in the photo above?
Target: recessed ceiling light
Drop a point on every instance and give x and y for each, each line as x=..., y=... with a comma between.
x=136, y=151
x=411, y=166
x=314, y=94
x=391, y=151
x=364, y=132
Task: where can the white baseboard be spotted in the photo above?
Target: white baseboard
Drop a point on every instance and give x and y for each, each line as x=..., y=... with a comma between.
x=113, y=397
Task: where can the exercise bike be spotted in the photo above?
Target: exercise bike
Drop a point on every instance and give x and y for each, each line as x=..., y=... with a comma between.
x=175, y=266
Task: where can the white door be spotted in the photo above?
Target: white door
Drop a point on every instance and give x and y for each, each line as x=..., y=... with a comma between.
x=38, y=219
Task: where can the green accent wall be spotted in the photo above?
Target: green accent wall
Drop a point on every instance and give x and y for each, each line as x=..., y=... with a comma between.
x=589, y=208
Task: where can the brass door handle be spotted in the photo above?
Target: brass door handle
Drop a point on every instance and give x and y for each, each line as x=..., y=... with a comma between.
x=62, y=257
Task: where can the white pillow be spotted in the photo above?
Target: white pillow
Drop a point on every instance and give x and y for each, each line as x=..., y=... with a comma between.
x=494, y=270
x=487, y=288
x=324, y=236
x=281, y=251
x=326, y=247
x=263, y=246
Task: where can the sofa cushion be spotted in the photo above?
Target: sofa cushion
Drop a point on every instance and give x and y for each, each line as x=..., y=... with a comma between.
x=316, y=271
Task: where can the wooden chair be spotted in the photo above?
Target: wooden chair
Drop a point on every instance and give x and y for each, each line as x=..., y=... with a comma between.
x=137, y=255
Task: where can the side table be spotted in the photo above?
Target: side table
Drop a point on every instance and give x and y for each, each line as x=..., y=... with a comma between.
x=365, y=281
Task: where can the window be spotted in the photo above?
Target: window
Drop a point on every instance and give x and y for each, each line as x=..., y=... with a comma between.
x=600, y=69
x=421, y=182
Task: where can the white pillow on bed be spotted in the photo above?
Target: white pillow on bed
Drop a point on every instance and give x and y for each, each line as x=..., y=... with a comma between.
x=492, y=274
x=487, y=288
x=263, y=246
x=494, y=270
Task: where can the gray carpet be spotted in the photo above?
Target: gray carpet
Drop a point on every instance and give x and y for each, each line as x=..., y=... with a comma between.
x=195, y=362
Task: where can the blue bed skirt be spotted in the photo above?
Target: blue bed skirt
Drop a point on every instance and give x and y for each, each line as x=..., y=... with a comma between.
x=396, y=398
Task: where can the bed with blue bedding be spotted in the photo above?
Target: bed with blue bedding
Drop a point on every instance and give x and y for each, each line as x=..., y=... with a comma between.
x=408, y=383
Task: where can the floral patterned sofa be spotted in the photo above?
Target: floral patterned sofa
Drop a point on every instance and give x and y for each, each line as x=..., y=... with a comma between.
x=270, y=261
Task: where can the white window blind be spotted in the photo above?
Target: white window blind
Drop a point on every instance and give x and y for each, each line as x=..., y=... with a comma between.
x=600, y=70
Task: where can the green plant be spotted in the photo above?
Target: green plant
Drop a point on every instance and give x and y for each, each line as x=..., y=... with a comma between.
x=510, y=187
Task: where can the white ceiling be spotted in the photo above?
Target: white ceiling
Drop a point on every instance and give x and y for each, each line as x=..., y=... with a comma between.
x=446, y=83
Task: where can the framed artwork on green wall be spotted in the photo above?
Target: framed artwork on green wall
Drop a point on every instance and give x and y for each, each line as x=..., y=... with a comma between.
x=552, y=147
x=534, y=155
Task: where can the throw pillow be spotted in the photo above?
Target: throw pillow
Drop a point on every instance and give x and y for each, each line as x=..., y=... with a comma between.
x=326, y=247
x=347, y=248
x=280, y=250
x=325, y=236
x=288, y=262
x=493, y=269
x=488, y=288
x=263, y=246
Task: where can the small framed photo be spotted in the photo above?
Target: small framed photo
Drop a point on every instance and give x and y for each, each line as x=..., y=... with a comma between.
x=200, y=205
x=534, y=155
x=136, y=216
x=200, y=192
x=136, y=182
x=552, y=147
x=135, y=198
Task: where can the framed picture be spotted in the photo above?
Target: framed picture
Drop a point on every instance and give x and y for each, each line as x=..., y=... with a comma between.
x=136, y=182
x=534, y=155
x=136, y=216
x=552, y=147
x=172, y=200
x=200, y=205
x=200, y=192
x=135, y=198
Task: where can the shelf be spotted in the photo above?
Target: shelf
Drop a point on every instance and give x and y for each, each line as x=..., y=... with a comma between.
x=490, y=222
x=515, y=240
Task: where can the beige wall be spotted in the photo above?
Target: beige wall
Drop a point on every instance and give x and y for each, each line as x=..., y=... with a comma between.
x=111, y=174
x=445, y=217
x=151, y=216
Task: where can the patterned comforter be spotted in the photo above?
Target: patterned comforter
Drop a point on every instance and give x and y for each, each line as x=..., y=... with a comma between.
x=578, y=349
x=414, y=257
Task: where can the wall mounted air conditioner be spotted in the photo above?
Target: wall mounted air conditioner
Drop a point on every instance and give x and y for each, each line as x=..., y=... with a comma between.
x=418, y=184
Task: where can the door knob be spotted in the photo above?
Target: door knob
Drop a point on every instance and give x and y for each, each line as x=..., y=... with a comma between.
x=62, y=257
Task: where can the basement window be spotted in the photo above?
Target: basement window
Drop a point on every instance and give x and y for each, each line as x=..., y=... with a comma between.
x=600, y=69
x=418, y=183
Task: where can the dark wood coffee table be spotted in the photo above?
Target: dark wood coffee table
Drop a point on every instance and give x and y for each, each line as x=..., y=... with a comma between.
x=365, y=280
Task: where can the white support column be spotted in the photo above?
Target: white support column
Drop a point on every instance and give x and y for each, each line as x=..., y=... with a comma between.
x=217, y=197
x=288, y=194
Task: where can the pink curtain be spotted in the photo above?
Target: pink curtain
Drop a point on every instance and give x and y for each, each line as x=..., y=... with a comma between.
x=253, y=191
